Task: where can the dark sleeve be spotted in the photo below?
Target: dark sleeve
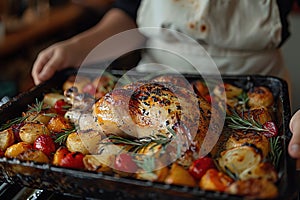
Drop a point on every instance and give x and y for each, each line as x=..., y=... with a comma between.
x=285, y=7
x=128, y=6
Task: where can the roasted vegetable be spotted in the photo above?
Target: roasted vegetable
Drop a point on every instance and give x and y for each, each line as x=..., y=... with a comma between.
x=7, y=138
x=31, y=131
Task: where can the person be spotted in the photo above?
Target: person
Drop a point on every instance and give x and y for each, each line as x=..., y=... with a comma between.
x=294, y=145
x=241, y=36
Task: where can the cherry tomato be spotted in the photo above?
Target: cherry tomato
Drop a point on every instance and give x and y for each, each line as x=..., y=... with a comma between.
x=73, y=160
x=45, y=144
x=272, y=129
x=1, y=153
x=124, y=162
x=61, y=106
x=16, y=130
x=199, y=167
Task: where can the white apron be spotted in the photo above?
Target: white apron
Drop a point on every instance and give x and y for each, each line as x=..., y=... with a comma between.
x=241, y=36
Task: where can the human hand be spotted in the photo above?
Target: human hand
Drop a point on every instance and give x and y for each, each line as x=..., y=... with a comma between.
x=55, y=58
x=294, y=145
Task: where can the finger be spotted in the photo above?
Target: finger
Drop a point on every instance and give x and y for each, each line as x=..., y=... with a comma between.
x=51, y=67
x=294, y=145
x=42, y=59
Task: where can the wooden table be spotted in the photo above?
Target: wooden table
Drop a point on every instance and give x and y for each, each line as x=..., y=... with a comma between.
x=50, y=23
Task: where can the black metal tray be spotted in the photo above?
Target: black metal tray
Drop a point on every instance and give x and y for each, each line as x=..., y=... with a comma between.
x=98, y=185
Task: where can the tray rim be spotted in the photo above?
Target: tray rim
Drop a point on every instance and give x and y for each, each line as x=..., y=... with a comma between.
x=289, y=164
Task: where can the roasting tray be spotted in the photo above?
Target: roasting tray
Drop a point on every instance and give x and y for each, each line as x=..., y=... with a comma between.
x=98, y=185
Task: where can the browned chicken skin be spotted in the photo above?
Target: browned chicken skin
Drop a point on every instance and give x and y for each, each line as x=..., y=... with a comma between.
x=150, y=108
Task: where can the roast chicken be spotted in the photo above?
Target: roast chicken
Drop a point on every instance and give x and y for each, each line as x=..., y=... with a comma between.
x=159, y=107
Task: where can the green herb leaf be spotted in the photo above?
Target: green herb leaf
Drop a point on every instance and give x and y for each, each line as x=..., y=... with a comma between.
x=62, y=137
x=235, y=121
x=16, y=120
x=275, y=151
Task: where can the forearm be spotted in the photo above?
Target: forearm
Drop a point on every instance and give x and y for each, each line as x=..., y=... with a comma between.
x=114, y=22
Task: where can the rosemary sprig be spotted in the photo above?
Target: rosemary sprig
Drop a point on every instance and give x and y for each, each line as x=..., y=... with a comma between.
x=62, y=137
x=37, y=107
x=114, y=139
x=138, y=144
x=243, y=99
x=16, y=120
x=235, y=121
x=275, y=151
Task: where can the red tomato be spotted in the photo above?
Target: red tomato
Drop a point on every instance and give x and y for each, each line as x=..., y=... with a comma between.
x=73, y=160
x=89, y=88
x=272, y=129
x=45, y=144
x=16, y=130
x=200, y=166
x=1, y=153
x=61, y=106
x=124, y=162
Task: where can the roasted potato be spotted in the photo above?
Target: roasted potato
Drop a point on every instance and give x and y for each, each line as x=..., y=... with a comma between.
x=254, y=189
x=7, y=138
x=16, y=149
x=33, y=155
x=215, y=180
x=93, y=163
x=60, y=153
x=239, y=159
x=260, y=97
x=84, y=142
x=43, y=118
x=239, y=138
x=58, y=124
x=31, y=131
x=263, y=170
x=180, y=176
x=260, y=115
x=51, y=98
x=227, y=90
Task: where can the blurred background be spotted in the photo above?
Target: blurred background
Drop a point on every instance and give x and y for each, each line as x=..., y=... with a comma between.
x=28, y=26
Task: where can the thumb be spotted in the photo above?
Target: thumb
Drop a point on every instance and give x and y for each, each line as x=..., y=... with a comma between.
x=294, y=145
